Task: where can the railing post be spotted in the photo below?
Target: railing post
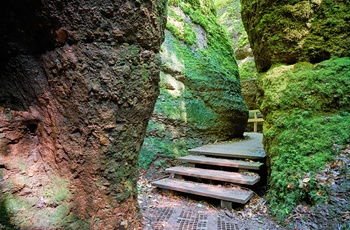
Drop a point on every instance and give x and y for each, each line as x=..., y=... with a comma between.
x=255, y=120
x=255, y=123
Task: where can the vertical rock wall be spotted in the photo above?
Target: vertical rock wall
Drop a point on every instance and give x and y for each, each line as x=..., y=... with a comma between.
x=295, y=31
x=79, y=80
x=301, y=50
x=229, y=14
x=200, y=99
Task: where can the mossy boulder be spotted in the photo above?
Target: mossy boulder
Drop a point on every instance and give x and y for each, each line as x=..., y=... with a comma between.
x=200, y=98
x=296, y=31
x=229, y=14
x=301, y=52
x=307, y=114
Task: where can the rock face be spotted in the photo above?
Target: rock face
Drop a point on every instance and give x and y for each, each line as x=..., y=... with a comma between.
x=305, y=101
x=79, y=80
x=229, y=14
x=294, y=31
x=200, y=97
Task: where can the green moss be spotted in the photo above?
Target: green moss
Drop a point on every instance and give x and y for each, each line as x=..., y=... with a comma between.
x=248, y=70
x=306, y=110
x=321, y=87
x=75, y=223
x=199, y=115
x=60, y=213
x=204, y=92
x=160, y=148
x=173, y=109
x=180, y=29
x=301, y=143
x=200, y=88
x=57, y=192
x=296, y=31
x=5, y=222
x=24, y=212
x=219, y=4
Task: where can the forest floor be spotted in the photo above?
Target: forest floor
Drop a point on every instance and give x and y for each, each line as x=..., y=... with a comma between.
x=167, y=210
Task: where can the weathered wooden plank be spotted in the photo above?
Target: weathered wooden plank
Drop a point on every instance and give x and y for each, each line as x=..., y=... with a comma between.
x=250, y=148
x=218, y=175
x=221, y=162
x=256, y=120
x=236, y=194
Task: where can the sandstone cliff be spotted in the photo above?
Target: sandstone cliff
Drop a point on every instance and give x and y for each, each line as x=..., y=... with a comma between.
x=200, y=98
x=294, y=31
x=79, y=80
x=301, y=49
x=229, y=14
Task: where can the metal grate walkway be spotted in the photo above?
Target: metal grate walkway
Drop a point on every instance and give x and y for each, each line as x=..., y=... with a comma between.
x=185, y=219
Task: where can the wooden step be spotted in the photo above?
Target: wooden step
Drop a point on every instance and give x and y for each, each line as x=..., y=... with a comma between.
x=221, y=162
x=218, y=175
x=226, y=150
x=249, y=148
x=236, y=194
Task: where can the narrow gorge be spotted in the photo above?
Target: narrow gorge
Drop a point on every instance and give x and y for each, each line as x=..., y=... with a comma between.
x=94, y=92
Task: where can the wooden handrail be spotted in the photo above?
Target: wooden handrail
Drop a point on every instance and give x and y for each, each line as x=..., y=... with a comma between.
x=256, y=119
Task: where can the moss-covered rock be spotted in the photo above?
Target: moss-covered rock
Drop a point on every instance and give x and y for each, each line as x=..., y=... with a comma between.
x=296, y=31
x=307, y=114
x=229, y=14
x=305, y=100
x=200, y=97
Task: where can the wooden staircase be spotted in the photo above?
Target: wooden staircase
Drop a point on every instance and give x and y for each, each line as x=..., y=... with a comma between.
x=224, y=168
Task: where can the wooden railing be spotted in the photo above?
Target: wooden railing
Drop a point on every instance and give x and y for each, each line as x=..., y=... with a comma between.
x=256, y=119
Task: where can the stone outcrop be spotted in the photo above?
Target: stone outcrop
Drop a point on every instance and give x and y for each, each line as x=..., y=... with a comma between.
x=200, y=99
x=293, y=31
x=229, y=14
x=79, y=80
x=304, y=98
